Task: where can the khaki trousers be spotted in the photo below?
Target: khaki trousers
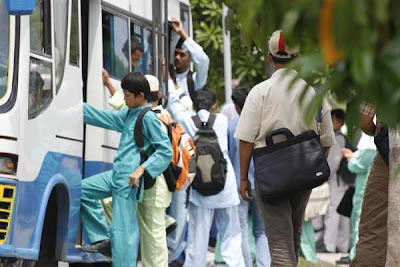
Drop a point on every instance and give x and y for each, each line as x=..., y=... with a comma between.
x=283, y=221
x=372, y=243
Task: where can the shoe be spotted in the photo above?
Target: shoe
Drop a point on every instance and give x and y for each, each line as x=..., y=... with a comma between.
x=322, y=249
x=175, y=264
x=212, y=242
x=343, y=260
x=171, y=228
x=103, y=247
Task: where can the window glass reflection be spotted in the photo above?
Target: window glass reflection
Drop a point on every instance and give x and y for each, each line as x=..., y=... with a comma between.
x=4, y=48
x=115, y=45
x=40, y=87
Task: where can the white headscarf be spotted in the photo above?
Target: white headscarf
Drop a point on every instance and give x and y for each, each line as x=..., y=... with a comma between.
x=366, y=142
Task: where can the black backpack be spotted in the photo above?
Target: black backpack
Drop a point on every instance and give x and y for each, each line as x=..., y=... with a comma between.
x=343, y=172
x=211, y=166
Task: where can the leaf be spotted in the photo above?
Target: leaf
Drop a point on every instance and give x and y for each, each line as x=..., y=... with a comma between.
x=381, y=10
x=362, y=67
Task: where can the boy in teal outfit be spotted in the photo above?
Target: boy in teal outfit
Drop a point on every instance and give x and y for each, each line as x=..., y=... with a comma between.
x=360, y=163
x=123, y=180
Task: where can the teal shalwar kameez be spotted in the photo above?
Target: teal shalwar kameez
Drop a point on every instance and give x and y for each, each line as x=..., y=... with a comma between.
x=360, y=164
x=124, y=231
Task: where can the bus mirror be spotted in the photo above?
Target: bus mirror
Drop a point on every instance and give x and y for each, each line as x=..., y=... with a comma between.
x=20, y=7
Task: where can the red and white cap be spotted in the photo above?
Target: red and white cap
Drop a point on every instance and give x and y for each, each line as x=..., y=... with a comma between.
x=279, y=49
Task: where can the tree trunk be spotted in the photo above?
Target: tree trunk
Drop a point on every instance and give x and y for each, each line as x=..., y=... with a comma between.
x=393, y=223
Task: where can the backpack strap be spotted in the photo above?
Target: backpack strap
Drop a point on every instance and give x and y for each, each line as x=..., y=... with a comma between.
x=197, y=121
x=204, y=125
x=190, y=84
x=138, y=136
x=211, y=120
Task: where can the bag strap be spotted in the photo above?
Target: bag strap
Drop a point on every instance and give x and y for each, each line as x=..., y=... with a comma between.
x=190, y=84
x=318, y=119
x=138, y=134
x=197, y=121
x=204, y=125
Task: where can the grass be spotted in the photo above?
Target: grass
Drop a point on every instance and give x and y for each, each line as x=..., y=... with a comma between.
x=304, y=263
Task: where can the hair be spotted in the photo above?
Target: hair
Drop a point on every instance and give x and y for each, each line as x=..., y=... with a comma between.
x=179, y=44
x=136, y=83
x=283, y=61
x=136, y=45
x=338, y=114
x=204, y=98
x=152, y=97
x=239, y=95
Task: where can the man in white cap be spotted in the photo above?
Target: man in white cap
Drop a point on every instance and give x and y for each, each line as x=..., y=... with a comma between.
x=151, y=211
x=270, y=106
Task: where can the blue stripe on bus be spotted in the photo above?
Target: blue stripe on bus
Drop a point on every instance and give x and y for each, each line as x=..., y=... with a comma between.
x=31, y=201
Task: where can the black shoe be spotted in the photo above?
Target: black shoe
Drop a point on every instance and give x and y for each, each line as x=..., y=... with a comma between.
x=171, y=228
x=175, y=264
x=344, y=260
x=212, y=242
x=322, y=249
x=103, y=247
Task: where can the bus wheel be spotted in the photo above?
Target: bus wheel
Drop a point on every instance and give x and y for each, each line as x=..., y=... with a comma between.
x=8, y=262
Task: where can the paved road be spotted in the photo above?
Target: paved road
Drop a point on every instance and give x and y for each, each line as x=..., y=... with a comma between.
x=324, y=257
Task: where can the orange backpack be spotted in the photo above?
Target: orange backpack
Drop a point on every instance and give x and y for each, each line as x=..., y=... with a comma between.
x=182, y=170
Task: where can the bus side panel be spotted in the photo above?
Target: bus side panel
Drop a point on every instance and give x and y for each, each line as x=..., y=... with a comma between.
x=31, y=203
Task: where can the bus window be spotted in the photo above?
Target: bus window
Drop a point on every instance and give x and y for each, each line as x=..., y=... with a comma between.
x=40, y=76
x=74, y=45
x=40, y=89
x=115, y=45
x=185, y=18
x=60, y=39
x=40, y=22
x=145, y=37
x=4, y=48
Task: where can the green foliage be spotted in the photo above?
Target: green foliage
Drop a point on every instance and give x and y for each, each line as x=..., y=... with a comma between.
x=248, y=65
x=365, y=38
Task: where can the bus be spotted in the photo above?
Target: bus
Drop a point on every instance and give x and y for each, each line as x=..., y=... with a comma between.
x=52, y=53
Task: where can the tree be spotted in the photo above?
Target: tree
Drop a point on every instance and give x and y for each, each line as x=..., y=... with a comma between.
x=360, y=42
x=247, y=66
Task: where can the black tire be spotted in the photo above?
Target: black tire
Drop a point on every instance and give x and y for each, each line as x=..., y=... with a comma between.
x=12, y=262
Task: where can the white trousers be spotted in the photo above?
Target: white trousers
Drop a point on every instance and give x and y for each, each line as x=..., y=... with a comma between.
x=228, y=226
x=337, y=227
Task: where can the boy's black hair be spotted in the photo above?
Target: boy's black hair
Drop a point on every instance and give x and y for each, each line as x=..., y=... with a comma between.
x=136, y=83
x=136, y=45
x=239, y=95
x=338, y=114
x=152, y=97
x=204, y=98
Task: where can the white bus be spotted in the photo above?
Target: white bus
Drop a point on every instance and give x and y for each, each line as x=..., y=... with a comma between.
x=50, y=62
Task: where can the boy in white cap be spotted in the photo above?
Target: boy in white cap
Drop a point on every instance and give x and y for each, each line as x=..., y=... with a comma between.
x=270, y=105
x=151, y=211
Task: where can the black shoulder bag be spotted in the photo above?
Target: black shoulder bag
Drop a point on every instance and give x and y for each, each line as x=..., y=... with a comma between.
x=294, y=165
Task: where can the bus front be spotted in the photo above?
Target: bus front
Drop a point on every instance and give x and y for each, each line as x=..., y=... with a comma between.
x=8, y=123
